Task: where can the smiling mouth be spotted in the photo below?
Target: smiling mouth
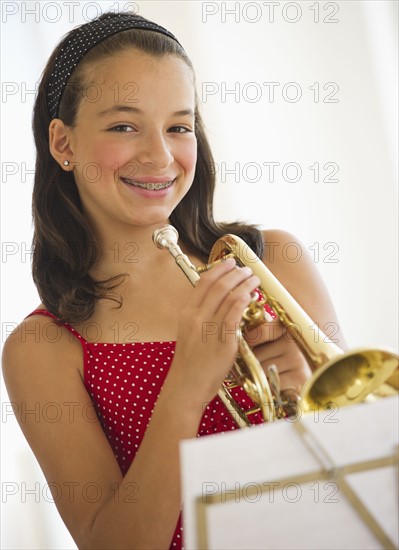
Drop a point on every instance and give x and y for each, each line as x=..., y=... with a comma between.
x=150, y=186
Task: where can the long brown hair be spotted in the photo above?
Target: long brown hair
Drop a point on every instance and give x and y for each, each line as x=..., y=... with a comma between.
x=64, y=246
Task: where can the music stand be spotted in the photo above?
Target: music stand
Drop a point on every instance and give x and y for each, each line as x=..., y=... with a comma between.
x=326, y=480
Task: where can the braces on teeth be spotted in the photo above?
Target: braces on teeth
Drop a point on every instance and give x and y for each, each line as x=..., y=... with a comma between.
x=150, y=186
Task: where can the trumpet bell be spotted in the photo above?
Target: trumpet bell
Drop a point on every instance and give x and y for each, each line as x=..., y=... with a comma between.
x=348, y=379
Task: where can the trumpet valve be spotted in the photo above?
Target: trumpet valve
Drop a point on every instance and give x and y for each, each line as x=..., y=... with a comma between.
x=254, y=314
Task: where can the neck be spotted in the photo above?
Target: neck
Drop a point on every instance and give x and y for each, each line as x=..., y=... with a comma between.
x=133, y=253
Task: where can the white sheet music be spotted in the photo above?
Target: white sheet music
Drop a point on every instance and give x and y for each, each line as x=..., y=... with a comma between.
x=260, y=503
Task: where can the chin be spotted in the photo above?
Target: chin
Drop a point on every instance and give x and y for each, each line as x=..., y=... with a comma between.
x=152, y=219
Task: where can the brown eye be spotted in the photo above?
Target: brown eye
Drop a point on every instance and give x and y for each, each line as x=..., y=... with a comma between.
x=122, y=128
x=179, y=129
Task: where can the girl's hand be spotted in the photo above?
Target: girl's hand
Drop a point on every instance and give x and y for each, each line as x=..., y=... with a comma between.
x=272, y=344
x=207, y=340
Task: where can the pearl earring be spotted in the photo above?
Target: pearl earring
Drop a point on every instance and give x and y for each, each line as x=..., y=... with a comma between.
x=66, y=162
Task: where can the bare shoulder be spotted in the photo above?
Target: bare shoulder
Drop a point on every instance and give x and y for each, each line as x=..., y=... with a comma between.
x=289, y=261
x=37, y=342
x=39, y=359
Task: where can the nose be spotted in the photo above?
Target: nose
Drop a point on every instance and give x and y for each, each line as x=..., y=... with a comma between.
x=155, y=150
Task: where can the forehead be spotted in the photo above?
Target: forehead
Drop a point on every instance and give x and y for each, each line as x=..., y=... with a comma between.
x=133, y=77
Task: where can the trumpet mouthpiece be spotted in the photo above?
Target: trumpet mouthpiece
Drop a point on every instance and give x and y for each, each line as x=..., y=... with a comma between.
x=165, y=236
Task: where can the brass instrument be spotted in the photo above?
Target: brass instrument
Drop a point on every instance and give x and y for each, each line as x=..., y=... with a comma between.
x=340, y=379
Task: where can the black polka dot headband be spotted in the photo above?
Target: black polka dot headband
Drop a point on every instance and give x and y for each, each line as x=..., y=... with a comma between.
x=85, y=38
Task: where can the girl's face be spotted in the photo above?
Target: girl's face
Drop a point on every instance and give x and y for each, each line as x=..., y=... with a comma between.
x=134, y=147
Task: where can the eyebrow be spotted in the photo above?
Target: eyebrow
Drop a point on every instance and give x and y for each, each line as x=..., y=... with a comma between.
x=134, y=110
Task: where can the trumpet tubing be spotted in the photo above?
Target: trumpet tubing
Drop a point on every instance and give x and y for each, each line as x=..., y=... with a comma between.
x=340, y=378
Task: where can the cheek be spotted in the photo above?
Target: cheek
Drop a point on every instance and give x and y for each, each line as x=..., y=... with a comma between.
x=99, y=163
x=113, y=156
x=187, y=156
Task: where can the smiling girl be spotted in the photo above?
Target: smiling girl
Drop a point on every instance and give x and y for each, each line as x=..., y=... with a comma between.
x=121, y=150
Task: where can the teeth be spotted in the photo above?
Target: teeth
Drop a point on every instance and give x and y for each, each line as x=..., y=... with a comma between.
x=149, y=186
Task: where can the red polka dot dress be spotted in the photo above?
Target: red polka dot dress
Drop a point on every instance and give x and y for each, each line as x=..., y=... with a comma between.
x=124, y=381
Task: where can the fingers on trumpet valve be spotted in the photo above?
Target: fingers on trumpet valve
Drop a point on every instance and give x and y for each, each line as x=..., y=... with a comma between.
x=285, y=401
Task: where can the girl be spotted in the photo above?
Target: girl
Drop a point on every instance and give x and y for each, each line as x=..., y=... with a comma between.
x=121, y=150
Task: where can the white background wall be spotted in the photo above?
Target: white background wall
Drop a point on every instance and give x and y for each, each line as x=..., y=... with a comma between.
x=348, y=51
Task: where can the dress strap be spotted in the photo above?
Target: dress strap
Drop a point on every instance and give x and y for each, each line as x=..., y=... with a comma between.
x=61, y=323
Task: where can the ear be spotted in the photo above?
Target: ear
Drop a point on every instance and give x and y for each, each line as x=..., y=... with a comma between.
x=60, y=144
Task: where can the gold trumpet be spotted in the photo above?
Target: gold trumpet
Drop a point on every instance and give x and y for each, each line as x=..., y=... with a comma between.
x=340, y=378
